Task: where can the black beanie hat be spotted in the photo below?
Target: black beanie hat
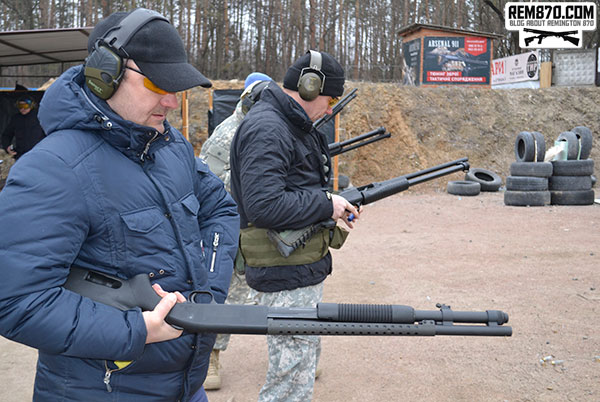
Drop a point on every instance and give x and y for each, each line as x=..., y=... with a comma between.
x=158, y=51
x=333, y=71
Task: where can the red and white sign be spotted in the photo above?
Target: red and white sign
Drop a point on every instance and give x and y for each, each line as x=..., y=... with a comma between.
x=451, y=76
x=475, y=46
x=522, y=67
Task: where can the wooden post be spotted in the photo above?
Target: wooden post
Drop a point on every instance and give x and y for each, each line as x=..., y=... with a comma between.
x=336, y=137
x=546, y=74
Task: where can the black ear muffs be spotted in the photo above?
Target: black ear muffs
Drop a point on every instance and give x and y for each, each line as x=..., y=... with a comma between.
x=104, y=67
x=312, y=80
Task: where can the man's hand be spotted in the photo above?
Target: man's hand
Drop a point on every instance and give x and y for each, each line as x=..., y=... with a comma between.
x=156, y=327
x=342, y=209
x=11, y=151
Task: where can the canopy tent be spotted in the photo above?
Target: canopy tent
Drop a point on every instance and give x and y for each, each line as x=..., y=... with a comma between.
x=46, y=46
x=43, y=46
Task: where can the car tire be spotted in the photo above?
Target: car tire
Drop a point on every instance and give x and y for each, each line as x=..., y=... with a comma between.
x=526, y=198
x=525, y=147
x=573, y=168
x=526, y=183
x=540, y=146
x=585, y=137
x=535, y=169
x=584, y=197
x=488, y=180
x=570, y=183
x=463, y=187
x=572, y=144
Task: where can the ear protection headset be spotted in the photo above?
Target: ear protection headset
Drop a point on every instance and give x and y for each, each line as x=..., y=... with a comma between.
x=104, y=67
x=312, y=79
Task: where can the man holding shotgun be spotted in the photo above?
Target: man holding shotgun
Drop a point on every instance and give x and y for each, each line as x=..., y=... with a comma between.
x=280, y=169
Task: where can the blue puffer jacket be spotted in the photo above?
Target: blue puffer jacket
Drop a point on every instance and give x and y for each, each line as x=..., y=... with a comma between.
x=89, y=195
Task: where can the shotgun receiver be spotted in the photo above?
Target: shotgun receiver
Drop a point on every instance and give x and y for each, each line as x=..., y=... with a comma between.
x=325, y=319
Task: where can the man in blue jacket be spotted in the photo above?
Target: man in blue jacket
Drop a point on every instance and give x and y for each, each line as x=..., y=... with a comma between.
x=280, y=168
x=114, y=188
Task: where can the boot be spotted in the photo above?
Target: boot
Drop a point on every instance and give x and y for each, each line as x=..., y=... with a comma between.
x=213, y=378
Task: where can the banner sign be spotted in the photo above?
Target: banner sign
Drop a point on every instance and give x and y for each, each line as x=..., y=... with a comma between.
x=456, y=60
x=522, y=67
x=550, y=25
x=412, y=61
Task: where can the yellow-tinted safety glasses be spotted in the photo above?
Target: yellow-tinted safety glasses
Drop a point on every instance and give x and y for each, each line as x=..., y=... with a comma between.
x=149, y=84
x=24, y=104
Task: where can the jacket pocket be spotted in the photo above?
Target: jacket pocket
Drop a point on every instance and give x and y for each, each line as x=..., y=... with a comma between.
x=186, y=213
x=191, y=204
x=149, y=242
x=143, y=221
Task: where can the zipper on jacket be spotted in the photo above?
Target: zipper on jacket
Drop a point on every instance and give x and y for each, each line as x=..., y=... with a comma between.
x=147, y=147
x=109, y=372
x=107, y=375
x=214, y=253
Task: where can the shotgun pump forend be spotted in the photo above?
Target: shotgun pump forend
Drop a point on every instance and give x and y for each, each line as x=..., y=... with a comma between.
x=325, y=319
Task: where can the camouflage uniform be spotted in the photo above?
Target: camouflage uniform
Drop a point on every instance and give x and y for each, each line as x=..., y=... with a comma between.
x=215, y=152
x=292, y=359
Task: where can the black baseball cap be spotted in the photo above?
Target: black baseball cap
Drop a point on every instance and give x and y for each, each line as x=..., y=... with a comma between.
x=158, y=51
x=331, y=69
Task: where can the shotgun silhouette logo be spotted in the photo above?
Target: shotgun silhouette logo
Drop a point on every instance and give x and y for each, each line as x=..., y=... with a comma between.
x=550, y=25
x=541, y=35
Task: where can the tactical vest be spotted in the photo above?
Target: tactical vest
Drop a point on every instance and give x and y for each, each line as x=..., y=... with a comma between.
x=259, y=251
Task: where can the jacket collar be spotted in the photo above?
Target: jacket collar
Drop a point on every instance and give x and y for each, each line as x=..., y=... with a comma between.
x=292, y=109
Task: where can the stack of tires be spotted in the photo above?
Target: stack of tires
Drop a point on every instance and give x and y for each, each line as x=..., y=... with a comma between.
x=527, y=184
x=571, y=180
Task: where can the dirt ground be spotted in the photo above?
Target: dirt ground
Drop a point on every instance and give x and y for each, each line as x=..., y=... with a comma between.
x=424, y=246
x=538, y=264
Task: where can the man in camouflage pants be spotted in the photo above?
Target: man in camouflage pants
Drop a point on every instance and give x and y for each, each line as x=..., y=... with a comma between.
x=280, y=171
x=215, y=152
